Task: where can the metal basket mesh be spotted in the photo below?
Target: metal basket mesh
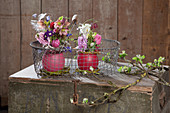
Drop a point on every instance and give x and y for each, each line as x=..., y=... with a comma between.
x=71, y=62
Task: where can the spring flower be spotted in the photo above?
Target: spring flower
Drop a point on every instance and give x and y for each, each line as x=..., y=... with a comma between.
x=92, y=44
x=82, y=43
x=74, y=18
x=94, y=26
x=97, y=39
x=63, y=32
x=52, y=25
x=84, y=29
x=41, y=16
x=48, y=18
x=34, y=15
x=48, y=34
x=55, y=43
x=56, y=30
x=58, y=24
x=40, y=37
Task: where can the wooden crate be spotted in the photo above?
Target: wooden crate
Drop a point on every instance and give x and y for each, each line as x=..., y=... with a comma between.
x=28, y=94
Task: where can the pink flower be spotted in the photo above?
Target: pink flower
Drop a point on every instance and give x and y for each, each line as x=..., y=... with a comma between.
x=58, y=24
x=98, y=39
x=40, y=37
x=63, y=32
x=55, y=43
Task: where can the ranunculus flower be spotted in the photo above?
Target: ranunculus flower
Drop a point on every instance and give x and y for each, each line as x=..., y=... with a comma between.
x=97, y=39
x=55, y=43
x=40, y=37
x=52, y=25
x=82, y=43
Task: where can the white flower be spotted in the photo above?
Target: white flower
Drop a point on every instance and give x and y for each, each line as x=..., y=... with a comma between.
x=91, y=68
x=74, y=17
x=92, y=44
x=84, y=29
x=85, y=100
x=41, y=16
x=85, y=72
x=34, y=15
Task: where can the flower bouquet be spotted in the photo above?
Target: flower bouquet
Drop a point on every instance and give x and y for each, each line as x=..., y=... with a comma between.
x=88, y=47
x=53, y=38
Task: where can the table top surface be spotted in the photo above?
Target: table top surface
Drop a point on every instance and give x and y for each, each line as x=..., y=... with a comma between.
x=29, y=74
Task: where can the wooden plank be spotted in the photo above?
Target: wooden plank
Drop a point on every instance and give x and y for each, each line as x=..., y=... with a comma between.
x=105, y=12
x=155, y=40
x=83, y=9
x=10, y=42
x=130, y=26
x=29, y=75
x=55, y=8
x=168, y=57
x=28, y=7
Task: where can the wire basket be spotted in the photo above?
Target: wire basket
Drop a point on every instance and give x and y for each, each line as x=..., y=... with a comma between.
x=71, y=62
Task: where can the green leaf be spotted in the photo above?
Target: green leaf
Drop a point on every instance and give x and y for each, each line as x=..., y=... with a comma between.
x=120, y=69
x=108, y=53
x=134, y=58
x=123, y=54
x=148, y=64
x=72, y=39
x=60, y=18
x=103, y=58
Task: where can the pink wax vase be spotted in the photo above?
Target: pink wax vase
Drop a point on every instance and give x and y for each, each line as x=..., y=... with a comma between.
x=53, y=61
x=87, y=60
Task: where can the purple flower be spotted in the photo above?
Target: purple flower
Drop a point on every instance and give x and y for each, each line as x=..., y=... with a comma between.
x=68, y=35
x=55, y=43
x=40, y=37
x=48, y=34
x=63, y=20
x=94, y=26
x=82, y=43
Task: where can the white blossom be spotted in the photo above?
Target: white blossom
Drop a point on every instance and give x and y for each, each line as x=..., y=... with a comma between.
x=74, y=17
x=41, y=16
x=92, y=44
x=84, y=29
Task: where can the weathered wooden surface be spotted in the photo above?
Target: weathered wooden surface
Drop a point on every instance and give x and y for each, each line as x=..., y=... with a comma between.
x=130, y=26
x=105, y=12
x=27, y=32
x=140, y=26
x=155, y=29
x=27, y=93
x=9, y=42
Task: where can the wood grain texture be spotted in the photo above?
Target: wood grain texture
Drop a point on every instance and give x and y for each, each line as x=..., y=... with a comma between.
x=105, y=12
x=155, y=40
x=10, y=42
x=28, y=7
x=55, y=8
x=130, y=26
x=33, y=93
x=83, y=8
